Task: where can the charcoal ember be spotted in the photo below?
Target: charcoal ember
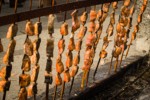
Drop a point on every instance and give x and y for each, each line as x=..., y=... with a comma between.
x=37, y=28
x=24, y=80
x=49, y=65
x=26, y=63
x=5, y=72
x=28, y=47
x=50, y=47
x=22, y=94
x=48, y=78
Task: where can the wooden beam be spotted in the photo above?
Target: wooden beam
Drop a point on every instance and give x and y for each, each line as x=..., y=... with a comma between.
x=22, y=16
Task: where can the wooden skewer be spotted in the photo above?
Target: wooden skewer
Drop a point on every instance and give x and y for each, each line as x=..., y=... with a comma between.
x=131, y=38
x=87, y=78
x=83, y=78
x=47, y=84
x=116, y=64
x=65, y=15
x=62, y=91
x=128, y=48
x=121, y=58
x=96, y=69
x=110, y=65
x=128, y=33
x=87, y=74
x=47, y=91
x=4, y=95
x=34, y=96
x=55, y=92
x=72, y=82
x=98, y=61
